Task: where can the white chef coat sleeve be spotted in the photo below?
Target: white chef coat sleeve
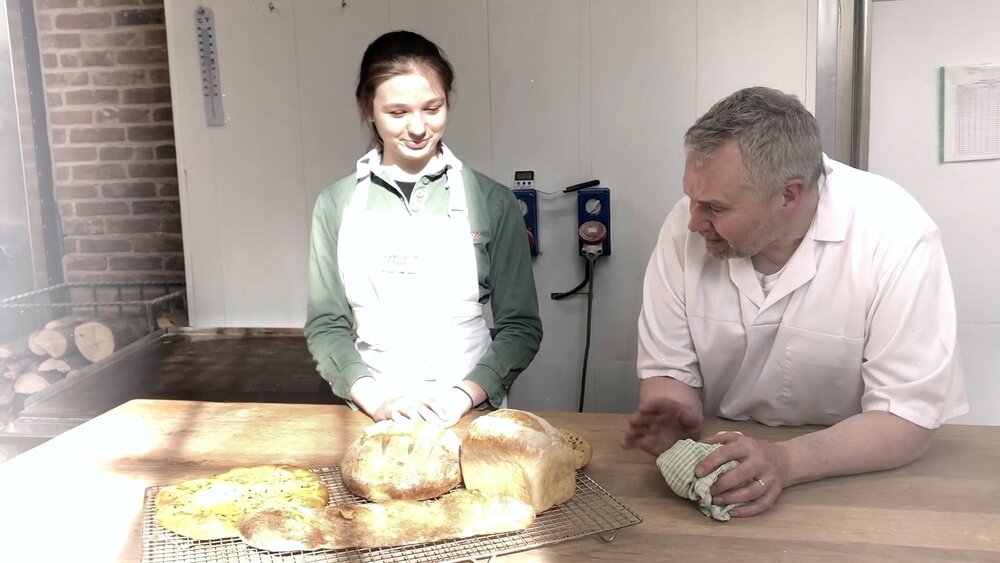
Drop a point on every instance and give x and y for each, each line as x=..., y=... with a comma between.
x=911, y=366
x=665, y=345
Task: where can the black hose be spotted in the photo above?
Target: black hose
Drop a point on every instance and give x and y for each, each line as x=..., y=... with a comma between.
x=575, y=290
x=590, y=307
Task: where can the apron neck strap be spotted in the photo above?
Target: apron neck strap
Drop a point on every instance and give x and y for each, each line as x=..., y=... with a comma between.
x=371, y=162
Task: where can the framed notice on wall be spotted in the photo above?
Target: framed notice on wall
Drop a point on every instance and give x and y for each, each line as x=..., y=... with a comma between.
x=970, y=112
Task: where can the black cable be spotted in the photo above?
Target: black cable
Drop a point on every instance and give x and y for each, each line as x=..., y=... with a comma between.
x=575, y=290
x=581, y=185
x=590, y=307
x=573, y=188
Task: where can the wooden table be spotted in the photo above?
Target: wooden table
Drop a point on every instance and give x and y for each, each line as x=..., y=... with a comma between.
x=79, y=496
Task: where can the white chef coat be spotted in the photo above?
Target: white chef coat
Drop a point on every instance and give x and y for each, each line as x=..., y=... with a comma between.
x=861, y=319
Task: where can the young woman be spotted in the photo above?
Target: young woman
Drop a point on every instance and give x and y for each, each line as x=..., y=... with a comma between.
x=406, y=251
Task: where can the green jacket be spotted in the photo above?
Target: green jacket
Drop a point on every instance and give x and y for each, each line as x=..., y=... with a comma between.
x=503, y=262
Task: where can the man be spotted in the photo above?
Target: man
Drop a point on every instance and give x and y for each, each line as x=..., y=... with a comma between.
x=790, y=289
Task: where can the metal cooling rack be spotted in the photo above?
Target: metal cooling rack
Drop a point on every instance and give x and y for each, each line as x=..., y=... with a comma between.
x=591, y=511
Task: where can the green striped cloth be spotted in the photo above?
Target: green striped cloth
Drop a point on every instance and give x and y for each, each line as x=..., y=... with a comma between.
x=677, y=466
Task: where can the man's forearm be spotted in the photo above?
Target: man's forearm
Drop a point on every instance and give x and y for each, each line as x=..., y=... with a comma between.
x=667, y=387
x=869, y=441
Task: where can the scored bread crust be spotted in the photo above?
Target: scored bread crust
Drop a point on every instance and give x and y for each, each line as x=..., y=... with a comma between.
x=458, y=514
x=209, y=508
x=402, y=461
x=518, y=454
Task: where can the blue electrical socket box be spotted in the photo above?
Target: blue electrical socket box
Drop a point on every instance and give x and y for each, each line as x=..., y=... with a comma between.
x=527, y=200
x=594, y=204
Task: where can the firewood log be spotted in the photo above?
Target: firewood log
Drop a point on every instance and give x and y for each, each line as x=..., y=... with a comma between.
x=33, y=344
x=55, y=343
x=6, y=391
x=68, y=321
x=172, y=319
x=15, y=349
x=67, y=364
x=12, y=369
x=97, y=340
x=33, y=382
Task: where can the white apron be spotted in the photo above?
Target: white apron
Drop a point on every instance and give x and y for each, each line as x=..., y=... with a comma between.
x=413, y=286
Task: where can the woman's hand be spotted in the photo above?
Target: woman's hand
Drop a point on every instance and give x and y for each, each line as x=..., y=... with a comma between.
x=450, y=405
x=404, y=408
x=756, y=482
x=443, y=406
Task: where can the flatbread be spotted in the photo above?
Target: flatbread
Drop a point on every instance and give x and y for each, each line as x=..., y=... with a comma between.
x=581, y=447
x=459, y=514
x=209, y=508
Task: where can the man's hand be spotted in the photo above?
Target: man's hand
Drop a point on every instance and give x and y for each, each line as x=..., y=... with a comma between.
x=870, y=441
x=756, y=482
x=659, y=423
x=668, y=411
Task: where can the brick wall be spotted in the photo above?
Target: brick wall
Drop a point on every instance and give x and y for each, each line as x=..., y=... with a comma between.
x=107, y=93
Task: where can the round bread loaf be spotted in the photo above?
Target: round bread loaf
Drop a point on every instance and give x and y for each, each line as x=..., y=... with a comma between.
x=402, y=461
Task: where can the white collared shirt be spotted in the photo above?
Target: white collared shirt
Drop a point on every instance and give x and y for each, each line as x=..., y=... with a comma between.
x=862, y=317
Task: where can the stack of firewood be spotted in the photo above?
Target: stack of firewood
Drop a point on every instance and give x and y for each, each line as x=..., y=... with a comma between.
x=62, y=347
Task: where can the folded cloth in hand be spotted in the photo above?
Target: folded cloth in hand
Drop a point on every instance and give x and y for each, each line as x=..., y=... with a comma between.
x=677, y=466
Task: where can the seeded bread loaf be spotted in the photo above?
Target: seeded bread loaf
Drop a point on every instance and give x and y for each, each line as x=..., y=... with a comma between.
x=518, y=454
x=581, y=447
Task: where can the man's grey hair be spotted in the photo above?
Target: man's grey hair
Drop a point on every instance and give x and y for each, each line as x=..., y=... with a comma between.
x=778, y=137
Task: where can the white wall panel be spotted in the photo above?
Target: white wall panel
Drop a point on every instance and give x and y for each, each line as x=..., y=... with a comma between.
x=197, y=174
x=329, y=41
x=911, y=40
x=641, y=107
x=535, y=78
x=242, y=195
x=534, y=87
x=980, y=359
x=759, y=43
x=261, y=178
x=808, y=97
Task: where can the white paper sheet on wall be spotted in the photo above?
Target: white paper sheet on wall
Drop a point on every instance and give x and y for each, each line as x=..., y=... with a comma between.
x=970, y=112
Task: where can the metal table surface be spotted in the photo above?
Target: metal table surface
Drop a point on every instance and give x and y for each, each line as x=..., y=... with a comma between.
x=220, y=365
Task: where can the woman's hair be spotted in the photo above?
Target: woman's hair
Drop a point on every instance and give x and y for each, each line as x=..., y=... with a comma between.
x=394, y=54
x=778, y=137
